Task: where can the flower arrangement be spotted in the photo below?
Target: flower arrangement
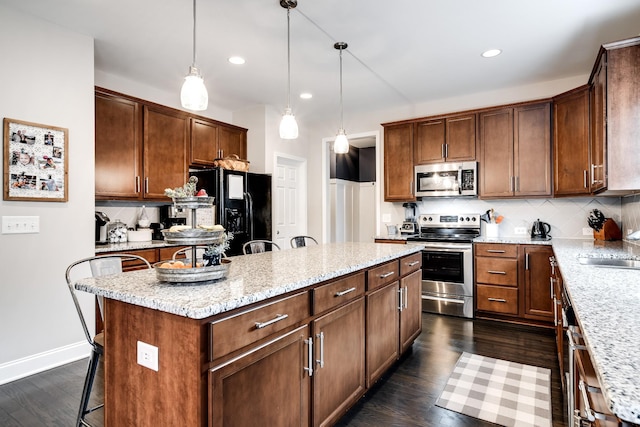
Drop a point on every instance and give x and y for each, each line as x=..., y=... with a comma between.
x=214, y=252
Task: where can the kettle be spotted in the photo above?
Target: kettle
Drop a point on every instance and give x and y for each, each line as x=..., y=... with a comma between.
x=540, y=230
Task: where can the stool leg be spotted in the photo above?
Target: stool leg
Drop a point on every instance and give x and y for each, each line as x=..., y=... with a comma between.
x=88, y=385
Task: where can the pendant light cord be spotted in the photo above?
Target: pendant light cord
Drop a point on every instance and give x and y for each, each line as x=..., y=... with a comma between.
x=288, y=57
x=194, y=33
x=341, y=107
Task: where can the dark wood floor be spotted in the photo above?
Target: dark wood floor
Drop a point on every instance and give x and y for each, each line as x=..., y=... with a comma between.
x=405, y=396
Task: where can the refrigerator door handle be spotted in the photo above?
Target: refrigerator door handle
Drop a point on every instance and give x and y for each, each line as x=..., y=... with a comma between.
x=249, y=214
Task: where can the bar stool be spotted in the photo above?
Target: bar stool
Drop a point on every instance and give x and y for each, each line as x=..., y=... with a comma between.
x=258, y=246
x=100, y=265
x=301, y=241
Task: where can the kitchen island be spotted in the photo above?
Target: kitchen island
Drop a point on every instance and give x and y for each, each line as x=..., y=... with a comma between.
x=249, y=347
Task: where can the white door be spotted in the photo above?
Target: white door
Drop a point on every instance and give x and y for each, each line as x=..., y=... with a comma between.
x=289, y=200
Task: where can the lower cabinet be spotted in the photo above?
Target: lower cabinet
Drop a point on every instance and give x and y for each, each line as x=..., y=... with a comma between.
x=268, y=385
x=411, y=309
x=383, y=319
x=338, y=377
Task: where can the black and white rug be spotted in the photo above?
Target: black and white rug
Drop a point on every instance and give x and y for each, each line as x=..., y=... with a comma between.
x=499, y=391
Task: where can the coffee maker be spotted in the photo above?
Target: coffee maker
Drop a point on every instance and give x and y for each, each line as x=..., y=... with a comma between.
x=101, y=228
x=169, y=215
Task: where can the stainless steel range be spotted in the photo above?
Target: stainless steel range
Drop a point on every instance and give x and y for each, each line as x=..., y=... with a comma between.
x=447, y=262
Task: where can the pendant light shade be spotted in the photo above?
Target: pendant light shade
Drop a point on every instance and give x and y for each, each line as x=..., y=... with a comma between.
x=193, y=95
x=341, y=143
x=288, y=125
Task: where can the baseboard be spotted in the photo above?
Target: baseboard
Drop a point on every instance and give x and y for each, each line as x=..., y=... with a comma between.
x=20, y=368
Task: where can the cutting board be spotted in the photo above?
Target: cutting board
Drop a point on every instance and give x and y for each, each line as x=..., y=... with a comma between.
x=609, y=231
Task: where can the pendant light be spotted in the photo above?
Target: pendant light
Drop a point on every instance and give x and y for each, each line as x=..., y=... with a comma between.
x=288, y=125
x=193, y=95
x=341, y=143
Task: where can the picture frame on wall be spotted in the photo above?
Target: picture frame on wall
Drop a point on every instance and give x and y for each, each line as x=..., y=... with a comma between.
x=36, y=164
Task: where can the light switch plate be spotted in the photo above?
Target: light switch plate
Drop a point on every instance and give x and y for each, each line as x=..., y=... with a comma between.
x=586, y=231
x=20, y=224
x=148, y=355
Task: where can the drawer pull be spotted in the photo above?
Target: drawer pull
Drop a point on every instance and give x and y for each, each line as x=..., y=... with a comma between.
x=496, y=272
x=411, y=264
x=346, y=291
x=385, y=275
x=279, y=317
x=496, y=251
x=309, y=369
x=497, y=299
x=321, y=360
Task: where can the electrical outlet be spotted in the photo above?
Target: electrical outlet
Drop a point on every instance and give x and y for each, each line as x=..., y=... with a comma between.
x=20, y=224
x=586, y=231
x=386, y=217
x=520, y=230
x=148, y=355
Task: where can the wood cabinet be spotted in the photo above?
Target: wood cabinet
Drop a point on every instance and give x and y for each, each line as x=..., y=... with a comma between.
x=515, y=151
x=411, y=309
x=382, y=330
x=615, y=90
x=152, y=255
x=211, y=140
x=571, y=170
x=398, y=163
x=558, y=321
x=447, y=139
x=512, y=282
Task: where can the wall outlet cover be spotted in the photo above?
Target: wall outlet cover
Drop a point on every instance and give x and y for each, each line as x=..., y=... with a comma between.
x=148, y=355
x=586, y=231
x=520, y=230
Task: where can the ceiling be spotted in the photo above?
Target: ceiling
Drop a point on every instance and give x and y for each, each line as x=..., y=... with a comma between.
x=401, y=53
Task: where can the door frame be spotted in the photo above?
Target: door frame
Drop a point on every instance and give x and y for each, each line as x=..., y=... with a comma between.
x=301, y=163
x=326, y=151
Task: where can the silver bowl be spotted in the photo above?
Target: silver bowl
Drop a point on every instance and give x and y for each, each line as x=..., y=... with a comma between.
x=192, y=274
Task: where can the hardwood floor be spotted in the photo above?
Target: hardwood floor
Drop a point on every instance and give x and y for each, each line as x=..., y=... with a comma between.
x=405, y=396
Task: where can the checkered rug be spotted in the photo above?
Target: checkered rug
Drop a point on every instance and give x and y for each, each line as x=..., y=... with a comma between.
x=498, y=391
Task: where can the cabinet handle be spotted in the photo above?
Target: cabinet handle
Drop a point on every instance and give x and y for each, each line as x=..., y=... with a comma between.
x=496, y=272
x=497, y=299
x=585, y=400
x=555, y=312
x=321, y=360
x=496, y=251
x=406, y=297
x=309, y=369
x=517, y=181
x=411, y=264
x=551, y=279
x=279, y=317
x=385, y=275
x=146, y=185
x=137, y=184
x=446, y=150
x=442, y=152
x=346, y=291
x=400, y=301
x=511, y=184
x=586, y=182
x=526, y=261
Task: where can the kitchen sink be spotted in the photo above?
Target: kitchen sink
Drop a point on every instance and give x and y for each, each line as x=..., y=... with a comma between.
x=610, y=262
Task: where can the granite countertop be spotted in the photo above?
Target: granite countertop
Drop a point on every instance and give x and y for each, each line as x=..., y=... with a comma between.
x=512, y=240
x=607, y=305
x=252, y=278
x=131, y=246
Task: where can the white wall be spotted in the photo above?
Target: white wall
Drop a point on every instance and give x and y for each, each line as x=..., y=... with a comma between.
x=46, y=77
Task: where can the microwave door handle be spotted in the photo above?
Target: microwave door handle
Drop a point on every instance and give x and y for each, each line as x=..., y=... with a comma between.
x=459, y=180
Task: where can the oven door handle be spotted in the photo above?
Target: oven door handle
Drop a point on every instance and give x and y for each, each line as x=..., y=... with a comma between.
x=448, y=248
x=455, y=301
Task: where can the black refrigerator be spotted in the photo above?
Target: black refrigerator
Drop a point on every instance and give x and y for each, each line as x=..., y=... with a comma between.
x=242, y=203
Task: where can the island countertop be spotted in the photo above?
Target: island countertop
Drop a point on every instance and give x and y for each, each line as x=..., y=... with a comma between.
x=251, y=278
x=607, y=304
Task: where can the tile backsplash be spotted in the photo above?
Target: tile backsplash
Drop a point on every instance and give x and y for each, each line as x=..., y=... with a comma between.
x=567, y=216
x=631, y=214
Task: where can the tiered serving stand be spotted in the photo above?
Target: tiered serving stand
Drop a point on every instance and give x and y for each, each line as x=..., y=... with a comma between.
x=193, y=237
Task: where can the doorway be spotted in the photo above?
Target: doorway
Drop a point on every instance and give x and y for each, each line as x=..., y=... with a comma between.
x=351, y=209
x=289, y=198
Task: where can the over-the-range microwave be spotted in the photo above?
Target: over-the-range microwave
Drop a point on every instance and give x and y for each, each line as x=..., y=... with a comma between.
x=447, y=179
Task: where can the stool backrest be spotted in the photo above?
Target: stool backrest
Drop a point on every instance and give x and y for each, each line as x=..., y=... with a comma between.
x=258, y=246
x=301, y=241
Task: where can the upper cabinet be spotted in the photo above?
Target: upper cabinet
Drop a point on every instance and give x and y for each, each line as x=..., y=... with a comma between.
x=398, y=163
x=212, y=140
x=515, y=151
x=571, y=167
x=448, y=139
x=615, y=124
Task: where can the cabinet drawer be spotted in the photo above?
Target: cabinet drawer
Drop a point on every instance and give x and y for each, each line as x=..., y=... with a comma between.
x=383, y=274
x=410, y=263
x=335, y=293
x=167, y=253
x=150, y=255
x=497, y=271
x=497, y=299
x=244, y=328
x=496, y=250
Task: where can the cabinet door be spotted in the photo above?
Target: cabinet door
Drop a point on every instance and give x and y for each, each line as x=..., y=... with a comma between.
x=532, y=150
x=204, y=142
x=382, y=330
x=165, y=151
x=338, y=378
x=411, y=314
x=538, y=294
x=461, y=138
x=231, y=141
x=571, y=143
x=398, y=163
x=118, y=147
x=267, y=386
x=599, y=125
x=496, y=153
x=429, y=142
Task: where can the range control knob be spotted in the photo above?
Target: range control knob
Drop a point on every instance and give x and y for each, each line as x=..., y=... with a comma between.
x=468, y=219
x=430, y=219
x=461, y=219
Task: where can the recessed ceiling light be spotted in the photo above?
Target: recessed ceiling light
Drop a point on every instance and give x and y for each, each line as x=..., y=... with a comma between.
x=237, y=60
x=306, y=95
x=491, y=53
